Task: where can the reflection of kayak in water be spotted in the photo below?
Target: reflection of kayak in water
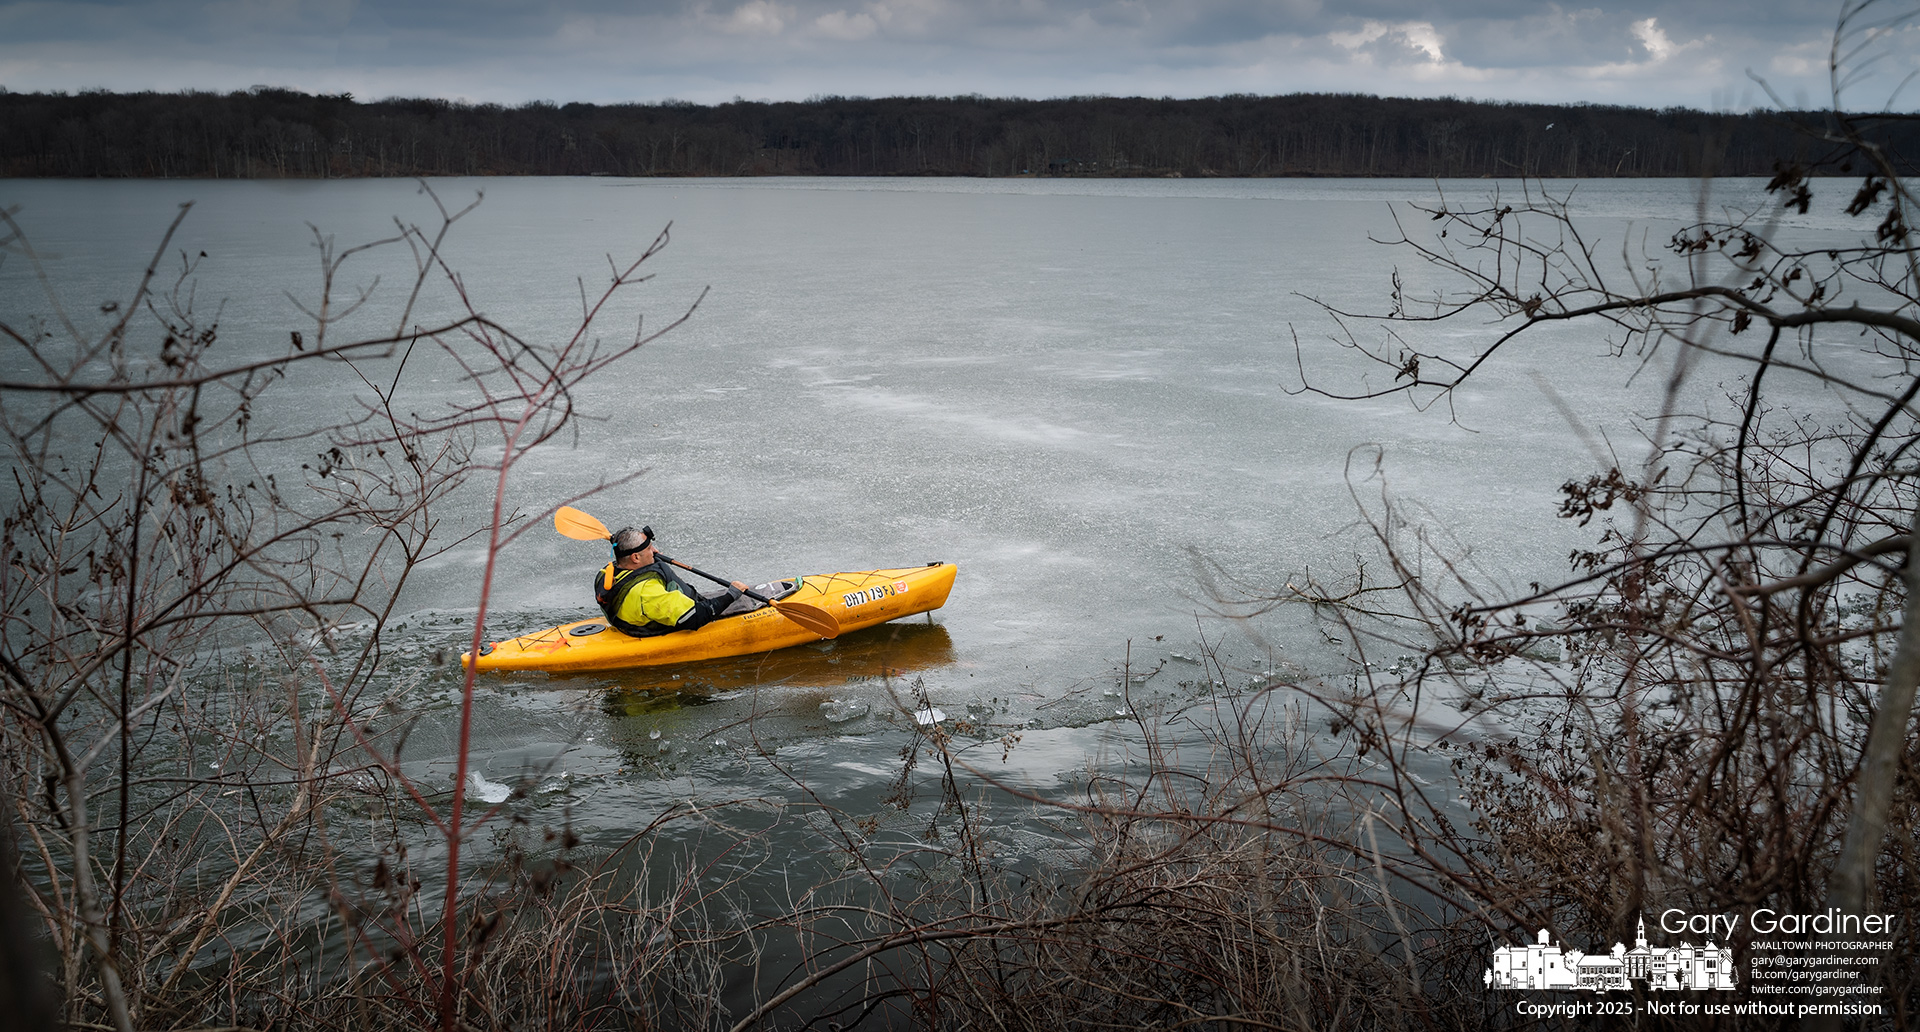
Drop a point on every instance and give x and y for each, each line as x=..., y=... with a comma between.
x=858, y=599
x=897, y=650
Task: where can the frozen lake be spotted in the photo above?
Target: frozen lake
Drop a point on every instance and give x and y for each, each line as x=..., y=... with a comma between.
x=1083, y=392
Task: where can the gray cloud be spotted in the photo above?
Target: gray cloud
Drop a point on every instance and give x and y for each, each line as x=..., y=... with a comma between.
x=1650, y=52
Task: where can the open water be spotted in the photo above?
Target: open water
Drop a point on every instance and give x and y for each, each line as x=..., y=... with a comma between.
x=1084, y=392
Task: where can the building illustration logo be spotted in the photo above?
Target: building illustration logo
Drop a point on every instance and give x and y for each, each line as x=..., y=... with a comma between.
x=1545, y=965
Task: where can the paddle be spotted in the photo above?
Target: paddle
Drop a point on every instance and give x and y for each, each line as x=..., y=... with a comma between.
x=573, y=523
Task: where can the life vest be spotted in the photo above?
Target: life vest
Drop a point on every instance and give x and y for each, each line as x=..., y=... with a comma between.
x=611, y=586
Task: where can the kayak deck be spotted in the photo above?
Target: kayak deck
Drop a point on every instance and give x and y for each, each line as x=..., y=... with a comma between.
x=857, y=599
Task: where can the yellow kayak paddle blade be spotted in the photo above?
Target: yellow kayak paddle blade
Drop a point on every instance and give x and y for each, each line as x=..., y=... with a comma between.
x=573, y=523
x=813, y=618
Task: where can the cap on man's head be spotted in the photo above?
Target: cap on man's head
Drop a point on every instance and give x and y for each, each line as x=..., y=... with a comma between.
x=630, y=540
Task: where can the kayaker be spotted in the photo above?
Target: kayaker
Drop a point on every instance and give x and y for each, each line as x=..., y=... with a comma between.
x=643, y=597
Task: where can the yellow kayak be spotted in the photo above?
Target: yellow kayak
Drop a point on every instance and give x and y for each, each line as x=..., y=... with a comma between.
x=859, y=599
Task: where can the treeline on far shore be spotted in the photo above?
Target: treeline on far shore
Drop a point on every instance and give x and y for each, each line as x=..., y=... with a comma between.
x=272, y=133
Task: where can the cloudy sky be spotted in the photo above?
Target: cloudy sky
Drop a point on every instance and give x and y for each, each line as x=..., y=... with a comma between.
x=1696, y=53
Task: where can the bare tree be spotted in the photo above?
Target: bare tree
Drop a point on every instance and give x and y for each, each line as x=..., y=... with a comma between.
x=1714, y=709
x=194, y=616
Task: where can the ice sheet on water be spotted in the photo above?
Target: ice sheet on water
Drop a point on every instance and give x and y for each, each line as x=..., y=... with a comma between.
x=486, y=791
x=839, y=712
